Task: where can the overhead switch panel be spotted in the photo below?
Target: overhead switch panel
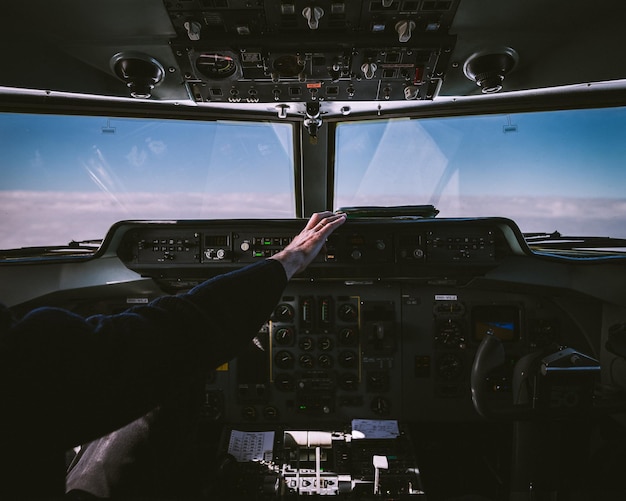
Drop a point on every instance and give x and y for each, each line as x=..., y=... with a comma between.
x=302, y=51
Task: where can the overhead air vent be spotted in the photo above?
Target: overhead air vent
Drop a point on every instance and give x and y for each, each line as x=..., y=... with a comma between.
x=139, y=71
x=489, y=68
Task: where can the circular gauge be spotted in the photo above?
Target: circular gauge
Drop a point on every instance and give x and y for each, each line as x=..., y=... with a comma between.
x=348, y=359
x=450, y=334
x=284, y=360
x=216, y=66
x=325, y=344
x=284, y=336
x=270, y=412
x=348, y=382
x=449, y=367
x=248, y=413
x=284, y=313
x=325, y=361
x=284, y=382
x=288, y=65
x=348, y=312
x=306, y=361
x=348, y=337
x=306, y=344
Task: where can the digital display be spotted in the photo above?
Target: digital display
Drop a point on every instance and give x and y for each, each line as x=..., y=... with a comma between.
x=501, y=321
x=215, y=240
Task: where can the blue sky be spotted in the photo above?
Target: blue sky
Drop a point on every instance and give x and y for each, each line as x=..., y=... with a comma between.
x=73, y=154
x=572, y=153
x=562, y=171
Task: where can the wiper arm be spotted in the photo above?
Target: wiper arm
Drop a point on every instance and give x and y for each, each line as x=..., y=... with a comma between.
x=72, y=248
x=556, y=240
x=396, y=211
x=85, y=244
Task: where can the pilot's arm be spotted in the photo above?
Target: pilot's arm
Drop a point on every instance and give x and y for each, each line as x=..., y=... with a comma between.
x=94, y=375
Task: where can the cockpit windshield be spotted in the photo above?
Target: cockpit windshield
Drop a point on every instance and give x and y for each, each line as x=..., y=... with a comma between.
x=549, y=171
x=69, y=178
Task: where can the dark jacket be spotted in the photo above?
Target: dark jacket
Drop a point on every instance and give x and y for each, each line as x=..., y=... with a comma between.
x=66, y=380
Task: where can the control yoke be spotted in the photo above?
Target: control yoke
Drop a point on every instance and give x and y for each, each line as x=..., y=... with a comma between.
x=546, y=384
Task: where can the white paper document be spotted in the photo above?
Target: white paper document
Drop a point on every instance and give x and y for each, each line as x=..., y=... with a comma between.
x=248, y=446
x=375, y=428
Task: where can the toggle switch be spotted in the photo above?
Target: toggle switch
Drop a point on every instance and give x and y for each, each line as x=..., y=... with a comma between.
x=405, y=30
x=193, y=29
x=313, y=16
x=369, y=70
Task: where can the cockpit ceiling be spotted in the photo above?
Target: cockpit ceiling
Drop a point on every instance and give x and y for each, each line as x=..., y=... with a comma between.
x=281, y=52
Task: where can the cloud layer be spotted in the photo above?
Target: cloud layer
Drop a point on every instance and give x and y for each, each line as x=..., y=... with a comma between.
x=56, y=218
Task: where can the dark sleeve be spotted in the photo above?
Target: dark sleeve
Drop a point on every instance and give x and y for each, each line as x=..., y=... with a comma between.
x=100, y=373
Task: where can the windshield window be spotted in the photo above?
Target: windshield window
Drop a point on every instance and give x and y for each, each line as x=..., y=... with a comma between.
x=559, y=171
x=66, y=178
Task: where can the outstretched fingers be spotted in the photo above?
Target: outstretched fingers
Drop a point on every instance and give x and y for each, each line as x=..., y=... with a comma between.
x=306, y=245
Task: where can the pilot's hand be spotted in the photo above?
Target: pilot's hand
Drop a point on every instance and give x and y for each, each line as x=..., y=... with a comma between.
x=307, y=244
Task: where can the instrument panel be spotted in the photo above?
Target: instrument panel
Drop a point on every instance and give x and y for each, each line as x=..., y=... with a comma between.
x=384, y=324
x=362, y=248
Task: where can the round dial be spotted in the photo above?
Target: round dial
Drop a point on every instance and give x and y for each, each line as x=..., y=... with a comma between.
x=306, y=361
x=306, y=344
x=449, y=367
x=216, y=66
x=284, y=382
x=284, y=313
x=284, y=336
x=347, y=359
x=270, y=412
x=450, y=334
x=325, y=344
x=288, y=65
x=348, y=337
x=284, y=360
x=347, y=312
x=325, y=361
x=348, y=382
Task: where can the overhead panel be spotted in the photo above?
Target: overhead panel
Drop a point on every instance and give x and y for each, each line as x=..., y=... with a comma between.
x=302, y=51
